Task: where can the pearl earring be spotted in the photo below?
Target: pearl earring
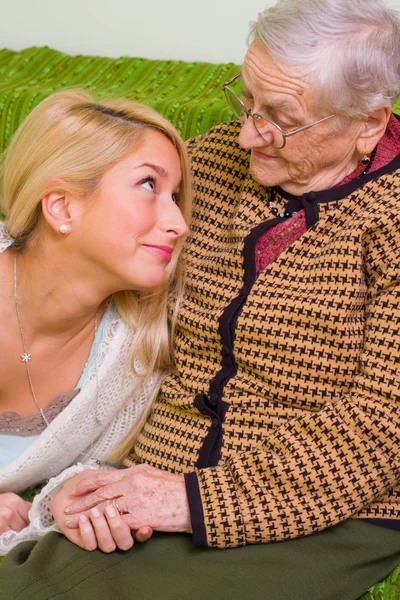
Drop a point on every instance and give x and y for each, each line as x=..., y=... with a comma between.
x=64, y=228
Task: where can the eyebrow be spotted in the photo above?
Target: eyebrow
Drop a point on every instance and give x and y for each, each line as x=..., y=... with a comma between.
x=162, y=172
x=282, y=105
x=275, y=105
x=271, y=104
x=278, y=106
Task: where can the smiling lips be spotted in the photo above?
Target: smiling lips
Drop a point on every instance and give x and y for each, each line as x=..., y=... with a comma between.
x=165, y=252
x=263, y=156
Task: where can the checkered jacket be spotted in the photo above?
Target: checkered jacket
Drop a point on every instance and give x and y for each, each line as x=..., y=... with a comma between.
x=283, y=409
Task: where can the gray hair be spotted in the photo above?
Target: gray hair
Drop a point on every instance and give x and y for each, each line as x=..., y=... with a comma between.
x=350, y=50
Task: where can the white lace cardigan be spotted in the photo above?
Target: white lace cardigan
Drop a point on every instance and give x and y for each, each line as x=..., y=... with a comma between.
x=93, y=424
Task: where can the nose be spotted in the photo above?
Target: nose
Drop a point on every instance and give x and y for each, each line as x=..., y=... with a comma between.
x=250, y=138
x=172, y=221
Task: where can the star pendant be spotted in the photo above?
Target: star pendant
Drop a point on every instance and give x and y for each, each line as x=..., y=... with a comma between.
x=26, y=357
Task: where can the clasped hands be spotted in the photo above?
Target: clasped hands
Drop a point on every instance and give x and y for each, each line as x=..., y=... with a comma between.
x=110, y=509
x=14, y=512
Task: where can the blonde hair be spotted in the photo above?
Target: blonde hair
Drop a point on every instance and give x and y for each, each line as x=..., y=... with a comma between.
x=69, y=140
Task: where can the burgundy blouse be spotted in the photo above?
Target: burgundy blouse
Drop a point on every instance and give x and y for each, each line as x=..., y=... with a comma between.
x=279, y=237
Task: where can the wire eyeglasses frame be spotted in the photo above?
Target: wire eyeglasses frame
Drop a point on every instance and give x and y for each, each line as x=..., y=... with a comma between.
x=238, y=107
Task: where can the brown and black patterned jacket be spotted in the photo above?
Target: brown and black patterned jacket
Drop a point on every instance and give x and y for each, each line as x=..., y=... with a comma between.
x=283, y=410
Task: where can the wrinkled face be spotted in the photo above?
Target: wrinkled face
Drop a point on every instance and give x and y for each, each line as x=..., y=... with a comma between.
x=315, y=159
x=133, y=224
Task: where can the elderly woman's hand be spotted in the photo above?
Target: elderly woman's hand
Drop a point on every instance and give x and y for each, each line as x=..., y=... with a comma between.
x=145, y=497
x=91, y=530
x=13, y=512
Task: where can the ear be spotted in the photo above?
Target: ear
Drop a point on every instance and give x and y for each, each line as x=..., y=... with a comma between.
x=372, y=129
x=56, y=210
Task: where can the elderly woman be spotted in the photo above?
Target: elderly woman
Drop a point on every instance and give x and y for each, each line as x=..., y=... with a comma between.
x=278, y=430
x=90, y=195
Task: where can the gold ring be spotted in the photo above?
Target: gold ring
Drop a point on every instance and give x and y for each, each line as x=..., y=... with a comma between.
x=115, y=504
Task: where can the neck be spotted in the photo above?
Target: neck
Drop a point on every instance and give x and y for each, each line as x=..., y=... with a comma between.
x=323, y=180
x=54, y=298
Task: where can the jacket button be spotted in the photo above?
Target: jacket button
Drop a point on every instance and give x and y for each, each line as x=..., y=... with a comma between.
x=215, y=423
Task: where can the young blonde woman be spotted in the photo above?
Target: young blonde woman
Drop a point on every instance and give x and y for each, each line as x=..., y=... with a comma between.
x=96, y=198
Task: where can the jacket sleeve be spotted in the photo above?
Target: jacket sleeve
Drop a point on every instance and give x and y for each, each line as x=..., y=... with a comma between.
x=322, y=468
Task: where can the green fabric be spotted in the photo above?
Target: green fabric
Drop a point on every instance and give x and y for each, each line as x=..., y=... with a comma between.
x=388, y=589
x=188, y=94
x=30, y=493
x=336, y=564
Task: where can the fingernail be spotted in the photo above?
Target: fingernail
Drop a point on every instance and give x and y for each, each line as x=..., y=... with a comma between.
x=83, y=518
x=95, y=512
x=68, y=521
x=67, y=509
x=110, y=510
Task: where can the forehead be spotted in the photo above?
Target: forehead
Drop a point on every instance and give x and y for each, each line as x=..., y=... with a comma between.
x=155, y=151
x=154, y=146
x=156, y=142
x=261, y=75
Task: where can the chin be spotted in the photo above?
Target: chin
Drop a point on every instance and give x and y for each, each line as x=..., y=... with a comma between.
x=151, y=284
x=264, y=177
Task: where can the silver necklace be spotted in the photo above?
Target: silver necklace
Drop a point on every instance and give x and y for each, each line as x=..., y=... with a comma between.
x=27, y=356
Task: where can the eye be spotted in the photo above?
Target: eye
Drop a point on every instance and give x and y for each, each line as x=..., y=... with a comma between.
x=176, y=197
x=280, y=123
x=284, y=123
x=247, y=99
x=148, y=184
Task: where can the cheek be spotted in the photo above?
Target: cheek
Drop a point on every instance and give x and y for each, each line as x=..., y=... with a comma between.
x=303, y=165
x=133, y=222
x=140, y=216
x=304, y=157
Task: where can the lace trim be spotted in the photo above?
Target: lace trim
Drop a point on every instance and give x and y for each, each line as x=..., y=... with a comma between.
x=110, y=329
x=5, y=240
x=40, y=517
x=11, y=423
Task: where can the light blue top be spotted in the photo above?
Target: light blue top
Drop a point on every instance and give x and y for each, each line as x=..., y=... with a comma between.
x=13, y=446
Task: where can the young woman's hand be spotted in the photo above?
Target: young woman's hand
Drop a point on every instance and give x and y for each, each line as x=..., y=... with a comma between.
x=93, y=529
x=13, y=512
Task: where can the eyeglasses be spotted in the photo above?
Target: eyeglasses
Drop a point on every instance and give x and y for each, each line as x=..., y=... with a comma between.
x=266, y=128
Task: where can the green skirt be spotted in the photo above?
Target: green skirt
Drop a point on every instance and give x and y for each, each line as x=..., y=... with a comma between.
x=340, y=563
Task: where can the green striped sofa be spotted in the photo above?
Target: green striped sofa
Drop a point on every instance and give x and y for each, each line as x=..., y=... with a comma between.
x=188, y=94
